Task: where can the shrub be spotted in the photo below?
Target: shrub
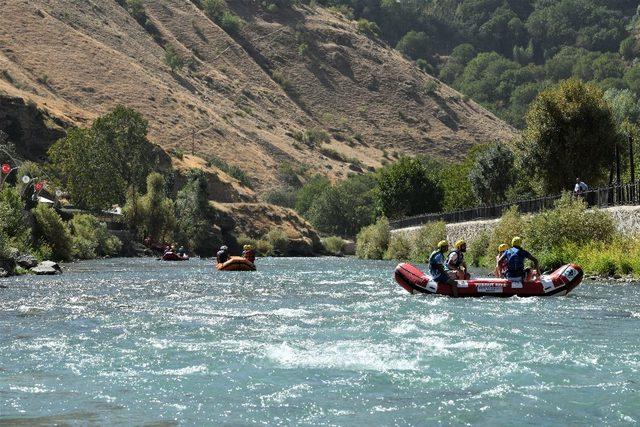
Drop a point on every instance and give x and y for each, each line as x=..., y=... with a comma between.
x=569, y=222
x=232, y=170
x=367, y=27
x=278, y=240
x=314, y=137
x=333, y=245
x=282, y=197
x=90, y=238
x=511, y=224
x=426, y=240
x=136, y=9
x=372, y=241
x=478, y=253
x=399, y=247
x=51, y=230
x=230, y=22
x=264, y=248
x=309, y=192
x=172, y=59
x=13, y=225
x=214, y=8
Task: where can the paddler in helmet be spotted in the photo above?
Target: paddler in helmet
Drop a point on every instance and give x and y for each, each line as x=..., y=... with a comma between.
x=437, y=268
x=501, y=263
x=456, y=265
x=248, y=253
x=515, y=258
x=223, y=255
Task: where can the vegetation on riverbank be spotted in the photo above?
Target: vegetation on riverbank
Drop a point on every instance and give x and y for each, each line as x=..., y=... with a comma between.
x=567, y=233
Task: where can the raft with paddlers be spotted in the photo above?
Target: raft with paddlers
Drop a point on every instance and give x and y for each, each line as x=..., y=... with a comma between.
x=174, y=256
x=560, y=282
x=236, y=263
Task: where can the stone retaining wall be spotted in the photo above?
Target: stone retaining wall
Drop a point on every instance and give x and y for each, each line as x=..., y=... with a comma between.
x=627, y=219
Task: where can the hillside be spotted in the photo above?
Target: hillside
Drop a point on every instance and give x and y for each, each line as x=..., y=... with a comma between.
x=247, y=100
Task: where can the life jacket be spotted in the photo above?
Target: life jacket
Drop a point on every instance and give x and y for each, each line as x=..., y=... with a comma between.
x=459, y=259
x=515, y=261
x=501, y=265
x=436, y=266
x=249, y=255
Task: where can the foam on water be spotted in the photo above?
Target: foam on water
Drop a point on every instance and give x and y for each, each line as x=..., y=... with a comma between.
x=307, y=341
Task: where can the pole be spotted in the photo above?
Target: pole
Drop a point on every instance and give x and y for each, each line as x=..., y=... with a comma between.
x=632, y=168
x=618, y=194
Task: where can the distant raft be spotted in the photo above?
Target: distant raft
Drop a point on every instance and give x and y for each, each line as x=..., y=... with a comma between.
x=237, y=263
x=174, y=256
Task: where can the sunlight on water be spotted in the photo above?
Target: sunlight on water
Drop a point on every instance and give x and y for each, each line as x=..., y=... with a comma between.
x=308, y=341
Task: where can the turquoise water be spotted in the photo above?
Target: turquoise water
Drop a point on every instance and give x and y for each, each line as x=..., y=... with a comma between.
x=308, y=342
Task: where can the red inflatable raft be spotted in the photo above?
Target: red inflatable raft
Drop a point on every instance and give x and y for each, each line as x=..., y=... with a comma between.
x=560, y=282
x=237, y=263
x=173, y=256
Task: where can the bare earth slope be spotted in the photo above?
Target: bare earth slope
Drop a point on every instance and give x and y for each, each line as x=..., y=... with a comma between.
x=245, y=99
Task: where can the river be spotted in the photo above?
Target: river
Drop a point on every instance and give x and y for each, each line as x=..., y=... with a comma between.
x=321, y=341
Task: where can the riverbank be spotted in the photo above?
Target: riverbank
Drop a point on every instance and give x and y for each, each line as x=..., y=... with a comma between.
x=598, y=240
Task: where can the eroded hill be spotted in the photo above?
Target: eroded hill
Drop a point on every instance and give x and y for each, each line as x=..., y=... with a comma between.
x=247, y=99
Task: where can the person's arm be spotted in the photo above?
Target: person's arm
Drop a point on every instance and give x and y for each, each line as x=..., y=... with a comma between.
x=451, y=260
x=534, y=260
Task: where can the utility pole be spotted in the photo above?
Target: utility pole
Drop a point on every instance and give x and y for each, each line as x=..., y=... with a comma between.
x=632, y=167
x=618, y=189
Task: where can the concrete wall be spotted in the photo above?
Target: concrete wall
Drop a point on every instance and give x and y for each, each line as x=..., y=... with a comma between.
x=627, y=219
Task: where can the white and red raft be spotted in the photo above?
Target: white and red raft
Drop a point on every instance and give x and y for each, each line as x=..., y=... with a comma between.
x=560, y=282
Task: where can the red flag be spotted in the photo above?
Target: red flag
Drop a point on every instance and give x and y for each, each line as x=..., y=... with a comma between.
x=6, y=168
x=38, y=186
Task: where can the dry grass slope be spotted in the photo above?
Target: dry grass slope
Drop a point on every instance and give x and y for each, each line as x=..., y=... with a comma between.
x=246, y=99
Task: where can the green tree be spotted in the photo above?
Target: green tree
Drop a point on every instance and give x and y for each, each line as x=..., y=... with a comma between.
x=196, y=217
x=570, y=132
x=407, y=188
x=98, y=164
x=309, y=192
x=624, y=104
x=91, y=239
x=160, y=220
x=632, y=78
x=415, y=44
x=52, y=231
x=492, y=174
x=13, y=224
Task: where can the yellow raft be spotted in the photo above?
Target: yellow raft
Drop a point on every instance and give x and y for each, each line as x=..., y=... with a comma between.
x=236, y=263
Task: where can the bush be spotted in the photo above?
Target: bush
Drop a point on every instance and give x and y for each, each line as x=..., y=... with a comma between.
x=51, y=230
x=278, y=240
x=173, y=60
x=399, y=247
x=569, y=222
x=214, y=8
x=232, y=170
x=13, y=225
x=334, y=245
x=373, y=240
x=264, y=248
x=282, y=197
x=426, y=240
x=314, y=137
x=230, y=22
x=478, y=253
x=511, y=224
x=367, y=27
x=90, y=238
x=309, y=192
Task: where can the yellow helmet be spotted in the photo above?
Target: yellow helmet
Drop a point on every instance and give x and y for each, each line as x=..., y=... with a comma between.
x=516, y=241
x=443, y=244
x=503, y=247
x=459, y=244
x=247, y=247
